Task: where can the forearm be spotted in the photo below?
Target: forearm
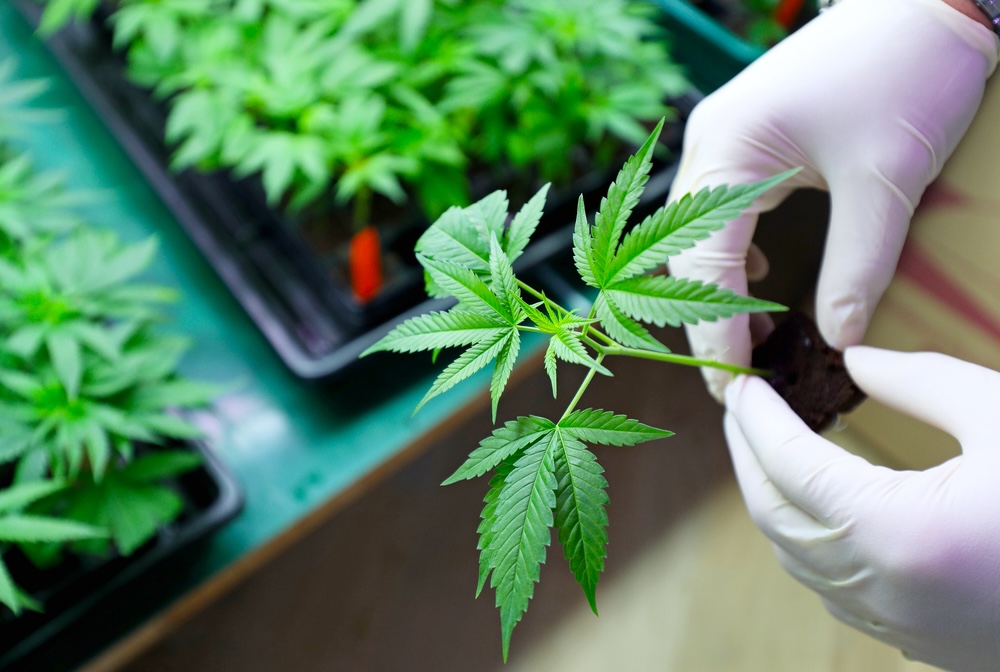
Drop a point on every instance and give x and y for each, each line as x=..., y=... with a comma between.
x=970, y=10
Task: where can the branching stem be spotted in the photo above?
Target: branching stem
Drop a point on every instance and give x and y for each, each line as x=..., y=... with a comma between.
x=680, y=359
x=583, y=388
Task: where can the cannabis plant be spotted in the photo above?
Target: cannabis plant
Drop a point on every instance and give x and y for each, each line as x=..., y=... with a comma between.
x=544, y=474
x=343, y=100
x=88, y=384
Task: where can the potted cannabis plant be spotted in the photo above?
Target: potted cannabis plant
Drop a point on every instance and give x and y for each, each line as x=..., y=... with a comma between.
x=102, y=478
x=315, y=142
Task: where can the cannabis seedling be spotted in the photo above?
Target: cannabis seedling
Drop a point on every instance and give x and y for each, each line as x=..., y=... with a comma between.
x=545, y=475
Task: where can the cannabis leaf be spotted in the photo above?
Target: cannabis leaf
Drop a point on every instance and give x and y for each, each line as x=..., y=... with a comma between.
x=614, y=266
x=520, y=532
x=616, y=207
x=130, y=501
x=681, y=223
x=545, y=477
x=18, y=527
x=674, y=301
x=490, y=307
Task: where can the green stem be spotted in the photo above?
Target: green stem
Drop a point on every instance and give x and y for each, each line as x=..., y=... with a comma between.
x=362, y=208
x=682, y=359
x=583, y=388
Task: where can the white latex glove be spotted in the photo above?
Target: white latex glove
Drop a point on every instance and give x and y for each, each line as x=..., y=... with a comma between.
x=911, y=558
x=870, y=98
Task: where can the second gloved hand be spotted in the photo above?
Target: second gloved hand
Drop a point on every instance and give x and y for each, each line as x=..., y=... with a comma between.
x=871, y=97
x=909, y=557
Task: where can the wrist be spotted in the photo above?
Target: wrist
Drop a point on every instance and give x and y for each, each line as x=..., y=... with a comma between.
x=969, y=8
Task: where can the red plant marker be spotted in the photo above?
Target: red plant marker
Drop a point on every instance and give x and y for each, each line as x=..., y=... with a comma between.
x=366, y=264
x=786, y=12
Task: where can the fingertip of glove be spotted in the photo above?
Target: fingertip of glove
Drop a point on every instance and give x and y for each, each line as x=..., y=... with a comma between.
x=734, y=392
x=858, y=357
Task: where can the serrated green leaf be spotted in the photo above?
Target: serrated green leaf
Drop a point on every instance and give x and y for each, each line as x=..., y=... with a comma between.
x=8, y=590
x=608, y=429
x=98, y=448
x=67, y=360
x=623, y=196
x=21, y=384
x=523, y=226
x=514, y=436
x=580, y=514
x=136, y=513
x=539, y=318
x=16, y=436
x=489, y=214
x=666, y=300
x=127, y=262
x=100, y=340
x=680, y=224
x=22, y=528
x=27, y=340
x=475, y=358
x=488, y=516
x=160, y=464
x=445, y=329
x=521, y=533
x=583, y=246
x=18, y=496
x=622, y=328
x=462, y=283
x=549, y=362
x=503, y=282
x=506, y=359
x=178, y=393
x=454, y=237
x=166, y=424
x=568, y=347
x=413, y=21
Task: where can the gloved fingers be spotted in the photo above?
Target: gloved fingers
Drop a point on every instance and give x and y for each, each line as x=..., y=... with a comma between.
x=770, y=510
x=757, y=264
x=864, y=623
x=814, y=474
x=721, y=260
x=958, y=397
x=869, y=219
x=828, y=572
x=793, y=532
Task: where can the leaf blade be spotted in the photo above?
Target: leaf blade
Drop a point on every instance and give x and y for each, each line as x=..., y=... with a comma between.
x=676, y=301
x=680, y=224
x=580, y=514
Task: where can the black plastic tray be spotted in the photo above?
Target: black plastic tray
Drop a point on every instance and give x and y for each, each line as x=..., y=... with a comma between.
x=314, y=326
x=93, y=602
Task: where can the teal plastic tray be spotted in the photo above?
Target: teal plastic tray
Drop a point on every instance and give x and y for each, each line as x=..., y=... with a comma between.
x=710, y=53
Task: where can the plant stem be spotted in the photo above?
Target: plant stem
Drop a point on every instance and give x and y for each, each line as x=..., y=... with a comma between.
x=362, y=208
x=583, y=388
x=681, y=359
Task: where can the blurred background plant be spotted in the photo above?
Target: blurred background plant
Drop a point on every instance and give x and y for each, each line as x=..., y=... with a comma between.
x=89, y=388
x=347, y=99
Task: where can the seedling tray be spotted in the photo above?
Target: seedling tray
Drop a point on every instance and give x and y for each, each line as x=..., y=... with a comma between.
x=90, y=602
x=313, y=323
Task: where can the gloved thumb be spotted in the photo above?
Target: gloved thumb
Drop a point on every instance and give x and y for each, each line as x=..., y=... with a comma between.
x=955, y=396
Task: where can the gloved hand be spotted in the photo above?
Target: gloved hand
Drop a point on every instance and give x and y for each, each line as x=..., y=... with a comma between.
x=911, y=558
x=870, y=98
